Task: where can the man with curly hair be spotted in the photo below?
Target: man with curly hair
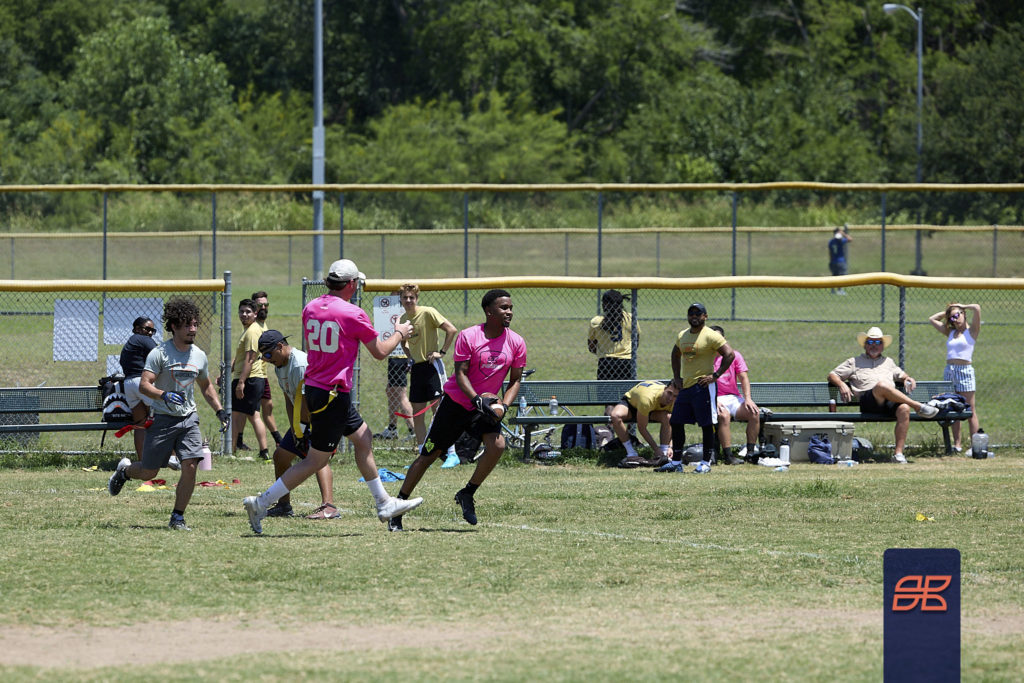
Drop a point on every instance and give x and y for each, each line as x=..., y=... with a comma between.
x=169, y=377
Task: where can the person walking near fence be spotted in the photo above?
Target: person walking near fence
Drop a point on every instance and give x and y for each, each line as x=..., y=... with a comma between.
x=262, y=304
x=611, y=338
x=871, y=378
x=172, y=370
x=484, y=355
x=693, y=374
x=248, y=378
x=427, y=374
x=960, y=341
x=734, y=402
x=837, y=255
x=290, y=367
x=333, y=330
x=133, y=362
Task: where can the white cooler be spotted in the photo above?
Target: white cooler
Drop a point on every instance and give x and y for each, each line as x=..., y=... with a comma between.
x=840, y=435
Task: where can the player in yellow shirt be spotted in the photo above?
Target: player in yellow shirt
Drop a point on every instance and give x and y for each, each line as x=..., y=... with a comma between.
x=644, y=403
x=694, y=375
x=249, y=377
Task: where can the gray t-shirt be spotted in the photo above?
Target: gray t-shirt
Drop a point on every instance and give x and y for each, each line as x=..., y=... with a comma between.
x=177, y=371
x=290, y=375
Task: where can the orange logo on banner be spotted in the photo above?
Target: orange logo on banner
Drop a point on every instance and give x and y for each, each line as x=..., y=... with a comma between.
x=914, y=590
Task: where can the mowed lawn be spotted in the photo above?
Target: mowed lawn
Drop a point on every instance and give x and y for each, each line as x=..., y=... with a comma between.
x=575, y=572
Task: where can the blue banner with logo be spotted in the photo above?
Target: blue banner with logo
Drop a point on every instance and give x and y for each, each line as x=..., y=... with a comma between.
x=922, y=614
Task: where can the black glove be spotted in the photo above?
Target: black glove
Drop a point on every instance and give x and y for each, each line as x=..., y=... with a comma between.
x=483, y=407
x=225, y=419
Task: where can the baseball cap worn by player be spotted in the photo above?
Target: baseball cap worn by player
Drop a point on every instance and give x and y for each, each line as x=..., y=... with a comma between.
x=699, y=308
x=269, y=340
x=344, y=270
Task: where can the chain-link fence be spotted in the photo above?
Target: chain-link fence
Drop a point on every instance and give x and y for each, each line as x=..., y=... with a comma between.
x=787, y=330
x=71, y=334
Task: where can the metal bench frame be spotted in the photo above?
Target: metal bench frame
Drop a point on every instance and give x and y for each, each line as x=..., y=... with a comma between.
x=54, y=401
x=574, y=393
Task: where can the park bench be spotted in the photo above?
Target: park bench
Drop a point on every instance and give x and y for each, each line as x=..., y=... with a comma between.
x=771, y=395
x=20, y=408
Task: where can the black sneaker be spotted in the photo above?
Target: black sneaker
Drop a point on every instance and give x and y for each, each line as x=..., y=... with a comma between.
x=265, y=454
x=395, y=524
x=242, y=447
x=465, y=500
x=280, y=509
x=118, y=478
x=178, y=523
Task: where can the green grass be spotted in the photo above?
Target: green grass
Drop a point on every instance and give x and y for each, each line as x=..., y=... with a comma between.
x=575, y=572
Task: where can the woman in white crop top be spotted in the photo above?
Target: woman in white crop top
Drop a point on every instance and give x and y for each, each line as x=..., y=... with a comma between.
x=960, y=340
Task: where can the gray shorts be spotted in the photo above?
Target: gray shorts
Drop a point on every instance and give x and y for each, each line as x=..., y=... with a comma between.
x=168, y=434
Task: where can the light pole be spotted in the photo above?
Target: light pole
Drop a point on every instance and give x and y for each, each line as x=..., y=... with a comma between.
x=891, y=8
x=318, y=139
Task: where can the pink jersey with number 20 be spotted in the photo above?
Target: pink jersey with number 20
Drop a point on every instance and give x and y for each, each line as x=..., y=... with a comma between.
x=489, y=361
x=333, y=329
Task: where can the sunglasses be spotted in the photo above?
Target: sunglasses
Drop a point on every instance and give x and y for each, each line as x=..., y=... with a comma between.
x=954, y=316
x=149, y=330
x=874, y=342
x=268, y=354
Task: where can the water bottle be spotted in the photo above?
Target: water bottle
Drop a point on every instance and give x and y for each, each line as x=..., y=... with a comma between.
x=553, y=406
x=846, y=463
x=784, y=451
x=207, y=462
x=979, y=445
x=522, y=404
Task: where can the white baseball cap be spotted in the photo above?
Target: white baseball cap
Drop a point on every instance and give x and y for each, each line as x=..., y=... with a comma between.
x=344, y=270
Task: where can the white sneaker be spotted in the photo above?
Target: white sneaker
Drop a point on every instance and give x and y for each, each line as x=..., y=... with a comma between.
x=927, y=411
x=256, y=513
x=174, y=463
x=393, y=507
x=702, y=468
x=900, y=458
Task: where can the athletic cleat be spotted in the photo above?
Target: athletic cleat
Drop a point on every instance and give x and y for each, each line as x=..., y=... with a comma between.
x=265, y=454
x=178, y=523
x=899, y=458
x=256, y=513
x=118, y=478
x=927, y=411
x=451, y=460
x=671, y=466
x=325, y=511
x=280, y=509
x=396, y=507
x=395, y=524
x=465, y=500
x=388, y=433
x=702, y=468
x=174, y=463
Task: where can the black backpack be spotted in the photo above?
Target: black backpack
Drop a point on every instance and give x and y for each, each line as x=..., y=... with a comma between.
x=115, y=401
x=578, y=436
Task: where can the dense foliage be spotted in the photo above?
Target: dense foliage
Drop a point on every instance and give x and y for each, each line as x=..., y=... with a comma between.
x=180, y=91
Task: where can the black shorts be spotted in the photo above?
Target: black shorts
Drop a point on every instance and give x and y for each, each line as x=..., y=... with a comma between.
x=615, y=368
x=398, y=368
x=868, y=404
x=450, y=421
x=632, y=409
x=251, y=396
x=331, y=417
x=424, y=383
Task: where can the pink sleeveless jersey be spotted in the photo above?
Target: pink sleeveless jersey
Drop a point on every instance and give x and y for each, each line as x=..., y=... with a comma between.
x=489, y=361
x=333, y=329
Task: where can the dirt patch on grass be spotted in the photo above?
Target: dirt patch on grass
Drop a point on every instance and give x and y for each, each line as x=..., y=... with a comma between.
x=88, y=647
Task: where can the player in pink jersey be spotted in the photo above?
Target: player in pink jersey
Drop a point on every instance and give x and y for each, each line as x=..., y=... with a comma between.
x=333, y=329
x=484, y=355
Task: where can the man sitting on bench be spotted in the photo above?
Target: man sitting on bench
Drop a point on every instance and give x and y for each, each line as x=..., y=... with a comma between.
x=646, y=402
x=872, y=378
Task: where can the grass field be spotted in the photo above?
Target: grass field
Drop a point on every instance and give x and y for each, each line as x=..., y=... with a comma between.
x=575, y=572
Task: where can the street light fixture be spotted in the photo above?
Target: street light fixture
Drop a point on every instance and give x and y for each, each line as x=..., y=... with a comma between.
x=892, y=8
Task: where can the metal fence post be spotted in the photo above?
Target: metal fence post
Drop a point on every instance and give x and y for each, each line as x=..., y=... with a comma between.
x=995, y=247
x=225, y=363
x=600, y=220
x=882, y=316
x=465, y=250
x=199, y=271
x=733, y=296
x=341, y=227
x=104, y=235
x=213, y=232
x=903, y=327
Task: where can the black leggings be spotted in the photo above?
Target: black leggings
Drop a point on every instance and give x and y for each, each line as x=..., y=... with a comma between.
x=679, y=441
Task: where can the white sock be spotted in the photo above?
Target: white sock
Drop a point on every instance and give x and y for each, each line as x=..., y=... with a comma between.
x=276, y=492
x=451, y=450
x=666, y=450
x=630, y=451
x=377, y=490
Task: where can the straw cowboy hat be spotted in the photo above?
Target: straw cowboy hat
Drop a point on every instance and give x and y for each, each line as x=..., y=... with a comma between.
x=874, y=333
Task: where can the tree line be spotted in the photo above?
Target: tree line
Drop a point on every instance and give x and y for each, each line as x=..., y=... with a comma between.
x=190, y=91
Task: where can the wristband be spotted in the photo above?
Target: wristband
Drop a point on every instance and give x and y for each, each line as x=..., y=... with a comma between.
x=442, y=352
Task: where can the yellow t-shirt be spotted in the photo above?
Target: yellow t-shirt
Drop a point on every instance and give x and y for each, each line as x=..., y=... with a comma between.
x=249, y=341
x=698, y=353
x=646, y=398
x=425, y=324
x=613, y=348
